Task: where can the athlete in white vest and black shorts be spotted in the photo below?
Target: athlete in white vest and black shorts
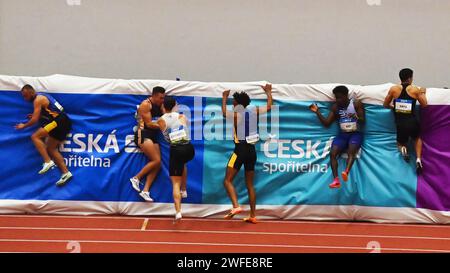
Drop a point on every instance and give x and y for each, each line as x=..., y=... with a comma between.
x=174, y=127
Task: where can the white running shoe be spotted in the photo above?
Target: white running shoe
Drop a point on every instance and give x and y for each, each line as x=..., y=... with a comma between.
x=146, y=196
x=419, y=166
x=183, y=194
x=46, y=167
x=64, y=178
x=135, y=184
x=177, y=217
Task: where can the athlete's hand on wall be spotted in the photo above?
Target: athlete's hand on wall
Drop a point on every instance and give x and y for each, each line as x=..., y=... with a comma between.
x=313, y=107
x=19, y=126
x=267, y=88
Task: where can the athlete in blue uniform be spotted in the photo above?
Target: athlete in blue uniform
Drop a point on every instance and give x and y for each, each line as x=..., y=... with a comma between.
x=55, y=125
x=245, y=137
x=348, y=113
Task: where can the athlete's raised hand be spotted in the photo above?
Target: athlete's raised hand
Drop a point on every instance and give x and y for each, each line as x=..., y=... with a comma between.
x=267, y=88
x=226, y=93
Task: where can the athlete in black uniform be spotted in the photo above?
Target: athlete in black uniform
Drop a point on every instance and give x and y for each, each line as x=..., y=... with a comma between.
x=55, y=125
x=145, y=137
x=405, y=97
x=175, y=129
x=245, y=137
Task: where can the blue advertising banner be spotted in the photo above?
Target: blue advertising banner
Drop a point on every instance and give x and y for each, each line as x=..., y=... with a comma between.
x=292, y=171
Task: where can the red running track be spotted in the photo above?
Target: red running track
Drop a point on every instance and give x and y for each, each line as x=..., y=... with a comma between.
x=87, y=234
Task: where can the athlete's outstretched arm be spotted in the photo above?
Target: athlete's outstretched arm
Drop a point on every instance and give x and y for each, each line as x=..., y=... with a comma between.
x=325, y=121
x=36, y=113
x=225, y=95
x=388, y=99
x=268, y=89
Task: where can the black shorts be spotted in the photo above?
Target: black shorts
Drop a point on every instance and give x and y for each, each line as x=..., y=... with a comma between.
x=243, y=154
x=406, y=129
x=142, y=134
x=59, y=127
x=179, y=156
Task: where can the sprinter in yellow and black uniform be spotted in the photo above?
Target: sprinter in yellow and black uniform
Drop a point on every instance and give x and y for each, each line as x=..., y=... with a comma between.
x=245, y=123
x=55, y=125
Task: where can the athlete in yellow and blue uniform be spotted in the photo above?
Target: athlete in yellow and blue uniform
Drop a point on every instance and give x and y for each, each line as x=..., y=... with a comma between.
x=55, y=125
x=245, y=137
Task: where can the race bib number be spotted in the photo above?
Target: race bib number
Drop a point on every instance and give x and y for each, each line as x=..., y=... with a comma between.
x=403, y=106
x=252, y=139
x=349, y=126
x=178, y=135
